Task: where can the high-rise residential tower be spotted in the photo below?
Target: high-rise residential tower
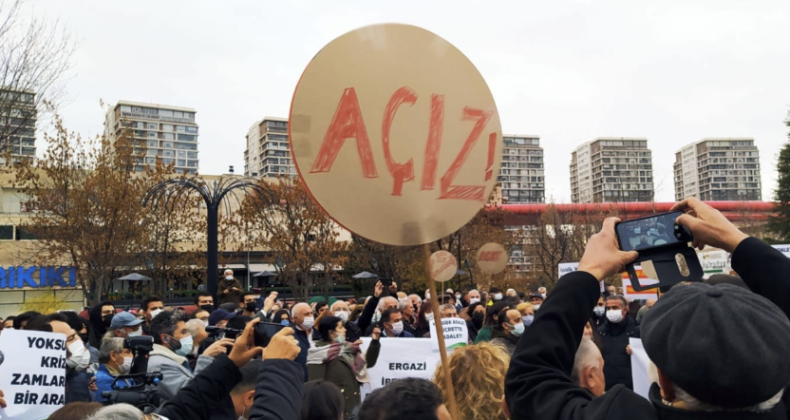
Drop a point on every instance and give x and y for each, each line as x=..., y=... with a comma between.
x=612, y=169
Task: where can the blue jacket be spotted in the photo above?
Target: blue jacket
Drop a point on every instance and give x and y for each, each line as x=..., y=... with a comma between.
x=304, y=345
x=104, y=380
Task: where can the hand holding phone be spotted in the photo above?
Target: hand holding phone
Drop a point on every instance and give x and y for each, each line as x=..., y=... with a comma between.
x=652, y=232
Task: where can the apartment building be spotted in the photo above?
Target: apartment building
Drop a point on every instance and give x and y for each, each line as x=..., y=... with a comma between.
x=167, y=133
x=267, y=154
x=522, y=173
x=17, y=125
x=612, y=169
x=718, y=169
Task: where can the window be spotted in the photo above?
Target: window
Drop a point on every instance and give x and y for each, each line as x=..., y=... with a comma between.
x=167, y=127
x=152, y=134
x=192, y=155
x=153, y=143
x=166, y=113
x=186, y=146
x=152, y=126
x=192, y=130
x=168, y=136
x=192, y=163
x=181, y=162
x=6, y=233
x=24, y=235
x=187, y=137
x=182, y=154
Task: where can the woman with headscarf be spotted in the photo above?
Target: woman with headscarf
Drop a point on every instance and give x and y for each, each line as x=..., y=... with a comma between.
x=477, y=315
x=334, y=360
x=486, y=333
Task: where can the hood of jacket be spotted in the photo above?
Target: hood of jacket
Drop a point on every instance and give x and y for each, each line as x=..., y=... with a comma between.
x=160, y=350
x=94, y=316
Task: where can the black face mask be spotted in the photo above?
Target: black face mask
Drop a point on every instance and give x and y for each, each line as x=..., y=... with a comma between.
x=250, y=307
x=84, y=337
x=477, y=320
x=207, y=308
x=107, y=319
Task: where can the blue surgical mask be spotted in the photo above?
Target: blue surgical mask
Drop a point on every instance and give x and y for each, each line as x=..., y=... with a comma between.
x=340, y=339
x=285, y=322
x=528, y=319
x=186, y=346
x=518, y=329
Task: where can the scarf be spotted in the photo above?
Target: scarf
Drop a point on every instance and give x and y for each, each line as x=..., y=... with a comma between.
x=347, y=353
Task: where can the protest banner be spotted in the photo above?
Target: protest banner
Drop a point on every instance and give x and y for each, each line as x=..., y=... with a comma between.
x=565, y=268
x=640, y=364
x=714, y=262
x=401, y=358
x=455, y=333
x=443, y=266
x=32, y=373
x=631, y=294
x=784, y=249
x=492, y=258
x=396, y=120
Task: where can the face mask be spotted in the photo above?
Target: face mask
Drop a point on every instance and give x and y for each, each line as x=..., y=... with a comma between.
x=340, y=339
x=536, y=306
x=126, y=366
x=285, y=322
x=615, y=316
x=477, y=319
x=250, y=307
x=473, y=300
x=228, y=278
x=308, y=322
x=528, y=319
x=397, y=328
x=376, y=316
x=186, y=346
x=498, y=296
x=429, y=317
x=342, y=315
x=80, y=358
x=458, y=297
x=137, y=333
x=544, y=295
x=107, y=320
x=84, y=337
x=599, y=310
x=518, y=329
x=208, y=308
x=155, y=312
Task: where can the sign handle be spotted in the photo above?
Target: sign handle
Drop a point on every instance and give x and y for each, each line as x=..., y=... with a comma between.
x=437, y=316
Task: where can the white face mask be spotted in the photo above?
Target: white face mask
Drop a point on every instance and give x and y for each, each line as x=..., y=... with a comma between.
x=473, y=300
x=599, y=310
x=205, y=323
x=80, y=358
x=518, y=329
x=536, y=306
x=615, y=316
x=458, y=296
x=308, y=322
x=429, y=317
x=137, y=333
x=397, y=328
x=498, y=296
x=126, y=366
x=544, y=295
x=342, y=315
x=155, y=312
x=228, y=277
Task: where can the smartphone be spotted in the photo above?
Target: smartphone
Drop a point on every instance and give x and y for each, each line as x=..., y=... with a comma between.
x=651, y=232
x=220, y=333
x=264, y=331
x=386, y=283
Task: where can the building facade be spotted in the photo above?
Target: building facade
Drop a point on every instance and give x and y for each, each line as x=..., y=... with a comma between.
x=718, y=169
x=612, y=169
x=17, y=125
x=267, y=154
x=167, y=133
x=522, y=173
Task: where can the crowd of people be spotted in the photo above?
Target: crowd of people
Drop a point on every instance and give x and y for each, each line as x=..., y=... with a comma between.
x=717, y=348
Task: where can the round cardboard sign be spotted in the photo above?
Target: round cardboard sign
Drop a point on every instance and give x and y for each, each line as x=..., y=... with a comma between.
x=443, y=266
x=395, y=134
x=492, y=258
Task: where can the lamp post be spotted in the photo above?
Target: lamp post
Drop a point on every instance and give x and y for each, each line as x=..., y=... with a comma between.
x=215, y=195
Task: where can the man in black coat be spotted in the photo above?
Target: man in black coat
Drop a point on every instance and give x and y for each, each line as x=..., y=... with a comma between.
x=615, y=333
x=709, y=366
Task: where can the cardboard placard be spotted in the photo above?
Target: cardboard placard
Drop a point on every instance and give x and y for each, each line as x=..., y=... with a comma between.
x=492, y=258
x=395, y=134
x=455, y=331
x=32, y=373
x=401, y=358
x=443, y=266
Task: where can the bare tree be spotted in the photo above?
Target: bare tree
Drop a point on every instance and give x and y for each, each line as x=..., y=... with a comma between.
x=35, y=55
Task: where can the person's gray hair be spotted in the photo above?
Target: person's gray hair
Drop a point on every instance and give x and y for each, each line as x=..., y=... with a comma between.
x=382, y=303
x=697, y=405
x=621, y=298
x=404, y=303
x=419, y=299
x=299, y=305
x=473, y=290
x=586, y=355
x=109, y=345
x=118, y=412
x=194, y=326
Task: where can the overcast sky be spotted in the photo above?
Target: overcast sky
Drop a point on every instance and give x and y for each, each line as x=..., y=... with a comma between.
x=569, y=71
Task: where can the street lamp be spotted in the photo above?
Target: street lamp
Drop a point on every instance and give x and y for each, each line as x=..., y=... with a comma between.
x=214, y=194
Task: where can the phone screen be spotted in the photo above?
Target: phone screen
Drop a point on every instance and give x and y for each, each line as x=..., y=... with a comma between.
x=649, y=232
x=264, y=331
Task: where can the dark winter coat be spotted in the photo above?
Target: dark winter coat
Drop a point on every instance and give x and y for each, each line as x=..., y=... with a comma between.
x=617, y=362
